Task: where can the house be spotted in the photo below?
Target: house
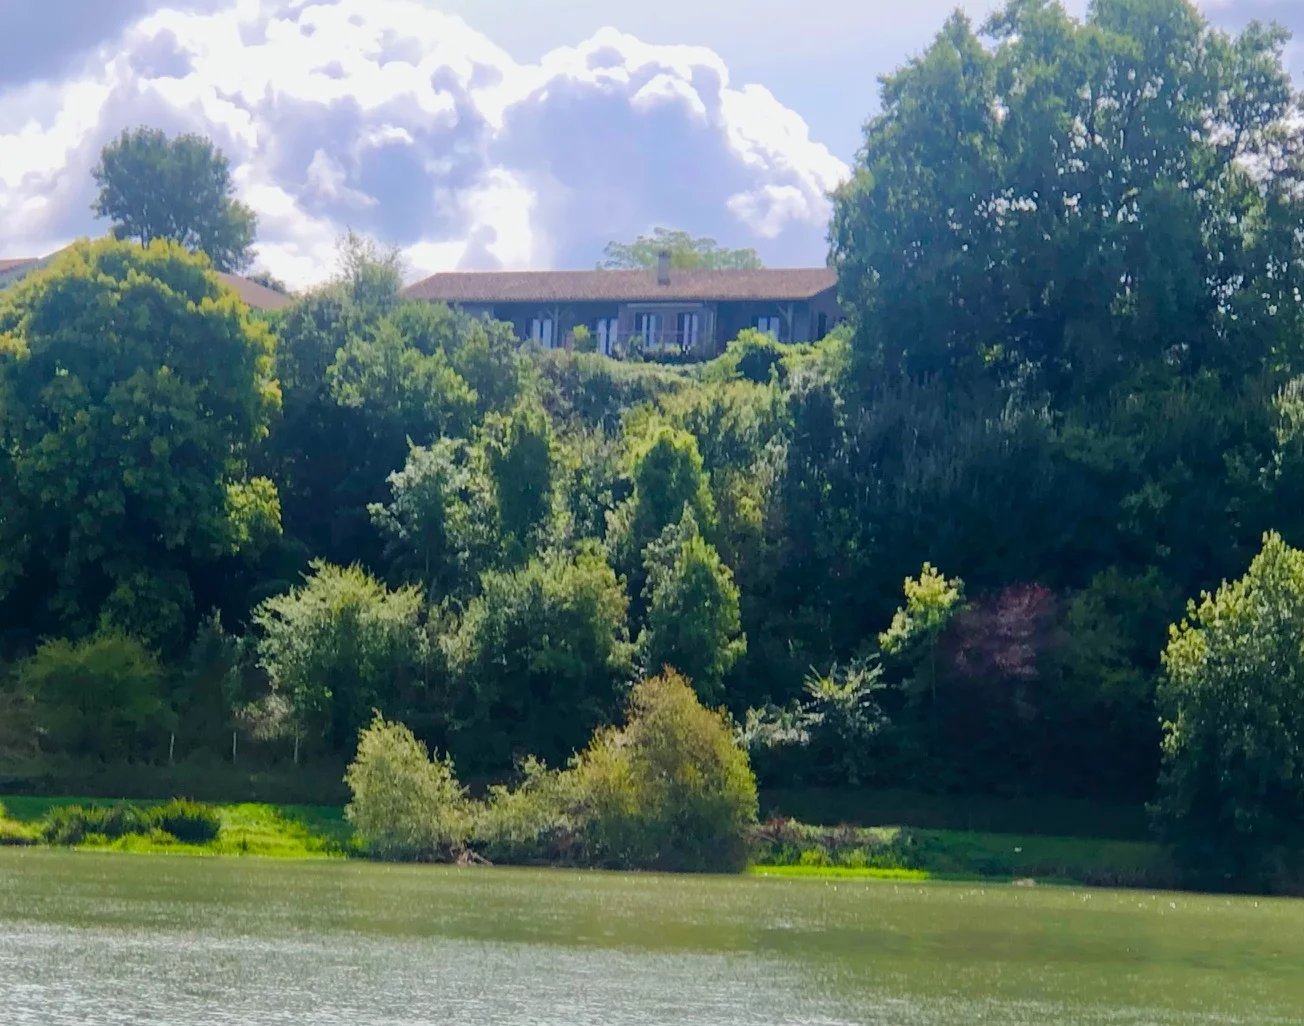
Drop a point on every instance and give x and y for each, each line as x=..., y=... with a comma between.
x=255, y=295
x=656, y=311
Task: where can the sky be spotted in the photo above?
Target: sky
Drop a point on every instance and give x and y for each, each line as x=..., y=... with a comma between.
x=472, y=134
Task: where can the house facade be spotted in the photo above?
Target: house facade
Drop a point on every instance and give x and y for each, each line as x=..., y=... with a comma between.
x=662, y=311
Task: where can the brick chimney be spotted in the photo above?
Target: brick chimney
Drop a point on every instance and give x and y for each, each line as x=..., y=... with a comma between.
x=663, y=267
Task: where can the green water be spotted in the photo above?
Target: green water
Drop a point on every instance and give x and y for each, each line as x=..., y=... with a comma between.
x=120, y=939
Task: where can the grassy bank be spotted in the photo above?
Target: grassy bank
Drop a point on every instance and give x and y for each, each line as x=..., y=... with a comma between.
x=784, y=848
x=247, y=828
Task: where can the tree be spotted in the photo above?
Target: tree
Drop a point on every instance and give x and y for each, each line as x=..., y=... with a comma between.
x=133, y=390
x=1231, y=798
x=1077, y=202
x=339, y=646
x=687, y=253
x=671, y=789
x=156, y=187
x=518, y=448
x=438, y=524
x=405, y=805
x=99, y=697
x=692, y=623
x=539, y=658
x=667, y=474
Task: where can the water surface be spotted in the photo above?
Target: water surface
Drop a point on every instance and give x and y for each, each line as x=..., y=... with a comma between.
x=102, y=939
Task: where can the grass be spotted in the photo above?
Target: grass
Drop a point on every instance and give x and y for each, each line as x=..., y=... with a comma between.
x=786, y=848
x=248, y=828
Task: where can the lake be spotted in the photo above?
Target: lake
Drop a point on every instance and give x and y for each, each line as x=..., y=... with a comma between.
x=121, y=939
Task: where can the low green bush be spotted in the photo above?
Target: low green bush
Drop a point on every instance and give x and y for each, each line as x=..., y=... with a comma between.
x=538, y=821
x=75, y=824
x=187, y=821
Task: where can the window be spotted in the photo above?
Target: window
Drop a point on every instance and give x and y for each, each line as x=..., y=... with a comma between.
x=689, y=331
x=769, y=325
x=541, y=331
x=821, y=327
x=649, y=326
x=607, y=330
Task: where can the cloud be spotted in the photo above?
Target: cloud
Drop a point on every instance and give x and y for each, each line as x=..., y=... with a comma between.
x=402, y=122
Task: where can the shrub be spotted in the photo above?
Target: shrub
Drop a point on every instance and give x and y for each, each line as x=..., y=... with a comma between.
x=538, y=821
x=73, y=824
x=1232, y=699
x=405, y=805
x=671, y=790
x=187, y=821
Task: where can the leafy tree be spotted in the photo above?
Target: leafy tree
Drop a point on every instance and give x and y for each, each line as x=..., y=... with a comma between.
x=692, y=623
x=671, y=789
x=687, y=253
x=339, y=646
x=1232, y=699
x=667, y=474
x=156, y=187
x=133, y=390
x=100, y=697
x=405, y=805
x=539, y=658
x=370, y=275
x=437, y=525
x=1061, y=207
x=518, y=450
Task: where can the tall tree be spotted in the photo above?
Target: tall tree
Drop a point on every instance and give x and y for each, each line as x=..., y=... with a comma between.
x=687, y=253
x=156, y=187
x=133, y=388
x=1078, y=203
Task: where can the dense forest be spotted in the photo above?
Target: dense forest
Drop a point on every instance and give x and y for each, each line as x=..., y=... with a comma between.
x=941, y=548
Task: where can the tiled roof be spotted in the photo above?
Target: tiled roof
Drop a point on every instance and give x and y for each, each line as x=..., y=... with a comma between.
x=622, y=286
x=260, y=297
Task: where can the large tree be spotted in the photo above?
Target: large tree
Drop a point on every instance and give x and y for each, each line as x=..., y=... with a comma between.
x=133, y=387
x=156, y=187
x=1068, y=205
x=687, y=253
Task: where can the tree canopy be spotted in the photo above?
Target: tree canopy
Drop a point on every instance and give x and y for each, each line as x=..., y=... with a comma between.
x=156, y=187
x=687, y=253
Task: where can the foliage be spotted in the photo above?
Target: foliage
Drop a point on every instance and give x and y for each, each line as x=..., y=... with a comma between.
x=539, y=659
x=540, y=820
x=931, y=601
x=338, y=646
x=405, y=805
x=670, y=789
x=73, y=824
x=101, y=696
x=155, y=187
x=518, y=450
x=187, y=821
x=692, y=622
x=133, y=390
x=1232, y=698
x=686, y=253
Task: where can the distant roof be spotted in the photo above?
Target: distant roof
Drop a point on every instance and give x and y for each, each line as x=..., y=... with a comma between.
x=254, y=295
x=622, y=286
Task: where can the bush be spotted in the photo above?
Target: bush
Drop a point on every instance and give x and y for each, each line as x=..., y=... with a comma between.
x=671, y=790
x=187, y=821
x=1232, y=789
x=538, y=821
x=73, y=824
x=405, y=805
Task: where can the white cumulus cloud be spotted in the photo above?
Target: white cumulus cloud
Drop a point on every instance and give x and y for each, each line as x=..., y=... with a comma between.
x=401, y=122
